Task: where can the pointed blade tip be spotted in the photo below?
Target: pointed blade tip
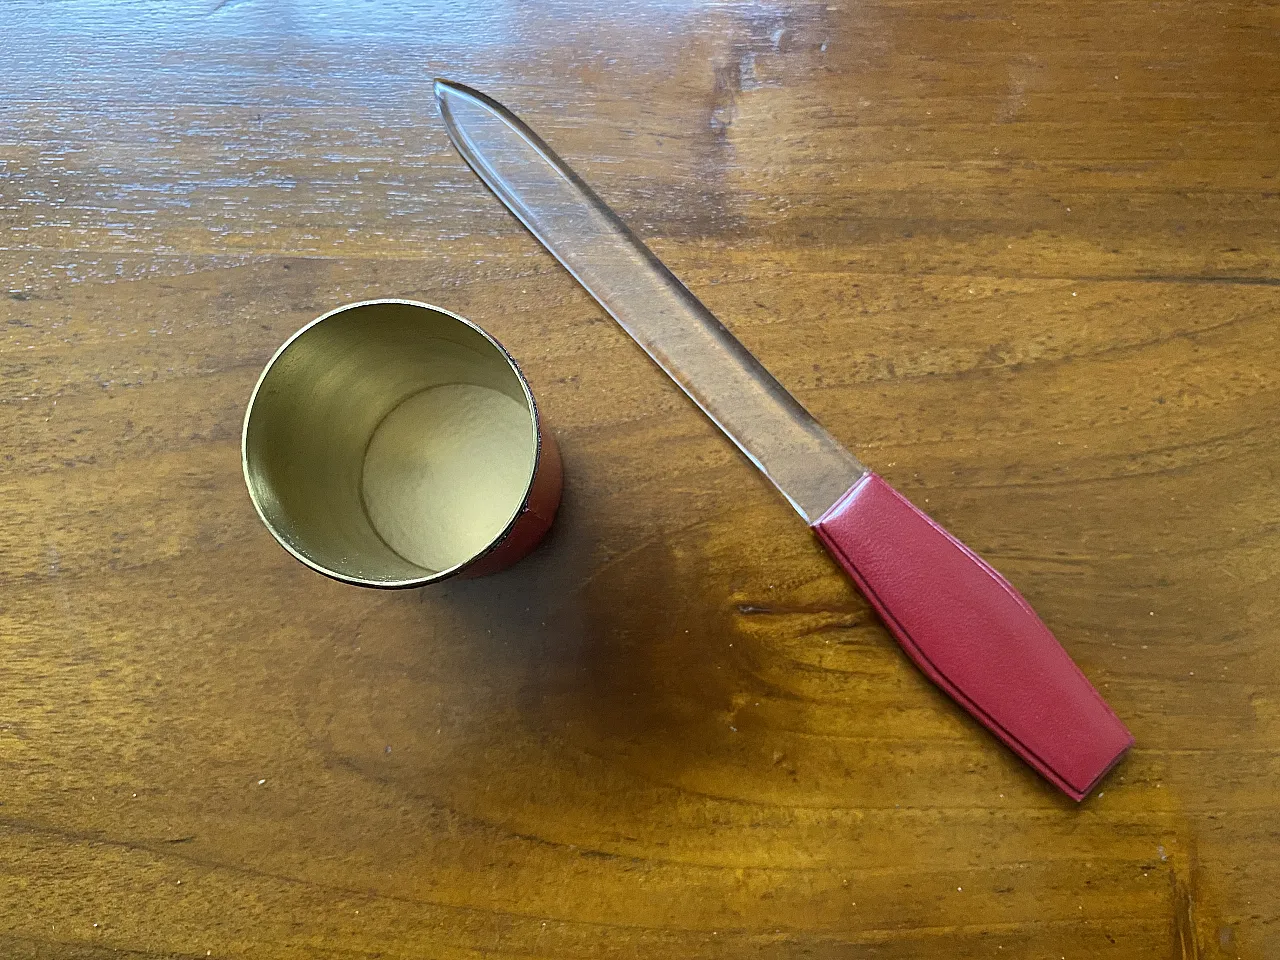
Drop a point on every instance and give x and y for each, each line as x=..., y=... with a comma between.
x=442, y=87
x=445, y=87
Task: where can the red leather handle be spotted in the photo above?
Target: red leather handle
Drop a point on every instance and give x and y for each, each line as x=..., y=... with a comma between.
x=974, y=636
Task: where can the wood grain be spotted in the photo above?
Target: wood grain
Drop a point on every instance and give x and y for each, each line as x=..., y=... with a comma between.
x=1022, y=258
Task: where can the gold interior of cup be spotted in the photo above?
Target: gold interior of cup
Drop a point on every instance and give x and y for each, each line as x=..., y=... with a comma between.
x=384, y=445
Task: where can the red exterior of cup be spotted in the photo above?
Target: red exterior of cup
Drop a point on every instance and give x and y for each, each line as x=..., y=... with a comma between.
x=536, y=513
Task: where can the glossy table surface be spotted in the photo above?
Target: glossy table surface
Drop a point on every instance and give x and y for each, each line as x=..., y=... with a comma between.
x=1023, y=259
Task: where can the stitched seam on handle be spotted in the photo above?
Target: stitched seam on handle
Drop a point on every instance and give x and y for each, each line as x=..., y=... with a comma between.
x=1004, y=584
x=838, y=507
x=931, y=669
x=939, y=678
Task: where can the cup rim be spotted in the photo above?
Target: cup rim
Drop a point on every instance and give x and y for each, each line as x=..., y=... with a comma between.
x=430, y=577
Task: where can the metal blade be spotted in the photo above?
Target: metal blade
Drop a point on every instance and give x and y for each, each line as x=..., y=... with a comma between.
x=681, y=335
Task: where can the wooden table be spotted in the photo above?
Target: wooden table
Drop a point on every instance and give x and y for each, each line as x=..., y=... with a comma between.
x=1023, y=258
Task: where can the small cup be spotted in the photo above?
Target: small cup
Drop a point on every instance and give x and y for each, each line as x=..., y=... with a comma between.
x=392, y=444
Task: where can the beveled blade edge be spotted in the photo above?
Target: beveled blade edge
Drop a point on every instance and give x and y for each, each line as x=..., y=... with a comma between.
x=809, y=467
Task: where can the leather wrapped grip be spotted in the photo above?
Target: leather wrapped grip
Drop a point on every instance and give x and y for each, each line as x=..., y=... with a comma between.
x=974, y=636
